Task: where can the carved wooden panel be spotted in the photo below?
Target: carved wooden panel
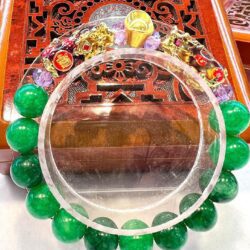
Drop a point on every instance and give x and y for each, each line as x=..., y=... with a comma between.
x=126, y=81
x=49, y=19
x=238, y=12
x=44, y=20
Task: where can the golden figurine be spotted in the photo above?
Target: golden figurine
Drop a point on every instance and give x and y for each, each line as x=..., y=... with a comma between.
x=139, y=26
x=49, y=67
x=180, y=44
x=94, y=42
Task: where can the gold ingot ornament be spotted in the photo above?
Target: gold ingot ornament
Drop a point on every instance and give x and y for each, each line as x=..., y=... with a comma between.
x=139, y=26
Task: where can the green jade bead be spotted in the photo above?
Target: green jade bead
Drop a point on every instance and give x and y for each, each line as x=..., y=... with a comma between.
x=236, y=117
x=226, y=188
x=237, y=153
x=142, y=242
x=204, y=218
x=66, y=228
x=25, y=171
x=173, y=238
x=22, y=135
x=79, y=209
x=30, y=100
x=41, y=203
x=95, y=239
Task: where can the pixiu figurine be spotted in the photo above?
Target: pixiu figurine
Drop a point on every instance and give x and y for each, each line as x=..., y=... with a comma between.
x=183, y=46
x=94, y=42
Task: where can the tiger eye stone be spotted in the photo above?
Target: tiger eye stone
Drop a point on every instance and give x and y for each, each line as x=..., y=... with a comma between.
x=171, y=238
x=66, y=228
x=22, y=135
x=226, y=188
x=30, y=100
x=237, y=153
x=204, y=218
x=236, y=117
x=95, y=239
x=41, y=203
x=25, y=171
x=142, y=242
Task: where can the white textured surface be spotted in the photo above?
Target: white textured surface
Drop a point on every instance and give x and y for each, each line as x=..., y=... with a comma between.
x=19, y=231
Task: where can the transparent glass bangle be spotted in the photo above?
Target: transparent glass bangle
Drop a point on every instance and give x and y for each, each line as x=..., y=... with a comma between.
x=116, y=193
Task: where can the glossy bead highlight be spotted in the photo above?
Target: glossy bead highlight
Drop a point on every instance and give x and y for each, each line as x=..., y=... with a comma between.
x=171, y=238
x=236, y=117
x=25, y=171
x=95, y=239
x=237, y=153
x=66, y=228
x=226, y=188
x=204, y=218
x=41, y=203
x=22, y=135
x=30, y=100
x=142, y=242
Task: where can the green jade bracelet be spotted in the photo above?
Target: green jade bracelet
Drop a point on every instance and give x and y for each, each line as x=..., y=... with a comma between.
x=22, y=136
x=26, y=173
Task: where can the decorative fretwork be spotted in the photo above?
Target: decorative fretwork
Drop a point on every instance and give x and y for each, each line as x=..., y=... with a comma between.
x=239, y=14
x=48, y=19
x=126, y=81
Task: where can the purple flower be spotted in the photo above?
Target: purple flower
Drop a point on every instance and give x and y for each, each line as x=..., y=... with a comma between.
x=42, y=77
x=153, y=42
x=120, y=37
x=223, y=93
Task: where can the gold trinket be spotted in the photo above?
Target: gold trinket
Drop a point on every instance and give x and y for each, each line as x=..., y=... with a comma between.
x=63, y=60
x=139, y=27
x=49, y=67
x=95, y=41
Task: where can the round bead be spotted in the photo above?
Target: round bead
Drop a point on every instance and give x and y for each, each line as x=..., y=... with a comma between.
x=226, y=188
x=79, y=209
x=204, y=218
x=25, y=171
x=66, y=228
x=22, y=135
x=142, y=242
x=172, y=238
x=236, y=117
x=30, y=100
x=237, y=153
x=41, y=203
x=95, y=239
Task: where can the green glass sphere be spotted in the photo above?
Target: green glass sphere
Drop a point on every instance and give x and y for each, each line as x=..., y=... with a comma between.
x=142, y=242
x=22, y=135
x=237, y=153
x=41, y=203
x=172, y=238
x=226, y=188
x=66, y=228
x=236, y=117
x=25, y=171
x=30, y=100
x=204, y=218
x=95, y=239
